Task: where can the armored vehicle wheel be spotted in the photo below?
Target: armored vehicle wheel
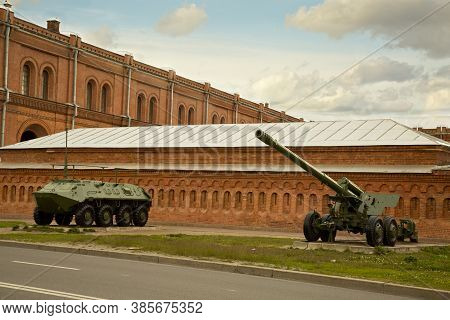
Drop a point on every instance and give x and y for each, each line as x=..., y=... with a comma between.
x=124, y=216
x=390, y=231
x=104, y=217
x=140, y=216
x=84, y=217
x=311, y=233
x=63, y=219
x=414, y=239
x=374, y=231
x=42, y=218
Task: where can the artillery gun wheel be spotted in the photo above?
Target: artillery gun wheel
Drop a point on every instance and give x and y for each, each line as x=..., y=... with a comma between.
x=390, y=231
x=64, y=219
x=85, y=215
x=124, y=216
x=140, y=216
x=310, y=232
x=104, y=217
x=325, y=234
x=374, y=231
x=42, y=218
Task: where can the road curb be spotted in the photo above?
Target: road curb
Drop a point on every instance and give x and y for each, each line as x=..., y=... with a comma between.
x=349, y=283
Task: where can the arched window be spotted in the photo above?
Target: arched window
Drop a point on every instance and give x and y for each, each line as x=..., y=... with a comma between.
x=399, y=208
x=45, y=84
x=226, y=200
x=215, y=119
x=286, y=203
x=223, y=120
x=30, y=194
x=299, y=203
x=273, y=202
x=152, y=110
x=250, y=204
x=325, y=202
x=446, y=209
x=215, y=200
x=171, y=198
x=26, y=79
x=181, y=115
x=5, y=194
x=13, y=194
x=238, y=201
x=161, y=198
x=193, y=199
x=90, y=95
x=191, y=116
x=431, y=208
x=414, y=208
x=312, y=202
x=182, y=199
x=262, y=201
x=204, y=200
x=140, y=107
x=22, y=194
x=106, y=98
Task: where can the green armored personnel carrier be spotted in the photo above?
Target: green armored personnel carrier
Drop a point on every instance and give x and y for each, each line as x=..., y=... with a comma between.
x=353, y=210
x=91, y=201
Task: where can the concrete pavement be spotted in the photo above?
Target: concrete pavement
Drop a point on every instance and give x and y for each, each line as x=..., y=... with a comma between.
x=107, y=278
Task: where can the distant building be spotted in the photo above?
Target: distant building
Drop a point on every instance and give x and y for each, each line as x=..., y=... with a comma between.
x=56, y=81
x=439, y=132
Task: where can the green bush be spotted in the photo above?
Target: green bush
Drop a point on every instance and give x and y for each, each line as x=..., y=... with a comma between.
x=74, y=231
x=410, y=259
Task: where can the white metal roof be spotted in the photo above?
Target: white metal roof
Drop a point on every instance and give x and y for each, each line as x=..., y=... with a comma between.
x=296, y=134
x=418, y=169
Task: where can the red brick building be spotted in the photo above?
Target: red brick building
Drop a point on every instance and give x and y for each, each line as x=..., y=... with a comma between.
x=442, y=133
x=222, y=175
x=52, y=81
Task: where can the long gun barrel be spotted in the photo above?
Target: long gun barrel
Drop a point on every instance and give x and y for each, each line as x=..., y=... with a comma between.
x=322, y=177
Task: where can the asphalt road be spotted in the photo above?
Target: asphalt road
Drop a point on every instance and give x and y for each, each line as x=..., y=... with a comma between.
x=35, y=274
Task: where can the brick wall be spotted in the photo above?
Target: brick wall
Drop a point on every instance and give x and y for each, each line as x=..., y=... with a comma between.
x=251, y=199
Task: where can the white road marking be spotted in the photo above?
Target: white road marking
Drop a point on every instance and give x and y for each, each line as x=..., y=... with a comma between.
x=53, y=293
x=45, y=265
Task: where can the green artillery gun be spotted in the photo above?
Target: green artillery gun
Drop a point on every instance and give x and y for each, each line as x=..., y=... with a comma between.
x=353, y=209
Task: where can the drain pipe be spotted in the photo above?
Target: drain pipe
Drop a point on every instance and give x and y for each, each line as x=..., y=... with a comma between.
x=172, y=85
x=236, y=108
x=6, y=71
x=207, y=108
x=74, y=86
x=207, y=88
x=128, y=96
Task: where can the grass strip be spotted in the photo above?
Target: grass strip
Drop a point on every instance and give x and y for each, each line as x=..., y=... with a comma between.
x=11, y=224
x=428, y=268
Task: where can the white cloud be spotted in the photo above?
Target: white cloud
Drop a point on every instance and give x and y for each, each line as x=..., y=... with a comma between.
x=19, y=2
x=385, y=18
x=102, y=37
x=382, y=69
x=382, y=88
x=182, y=21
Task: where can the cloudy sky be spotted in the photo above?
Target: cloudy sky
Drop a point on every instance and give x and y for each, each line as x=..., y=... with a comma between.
x=317, y=59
